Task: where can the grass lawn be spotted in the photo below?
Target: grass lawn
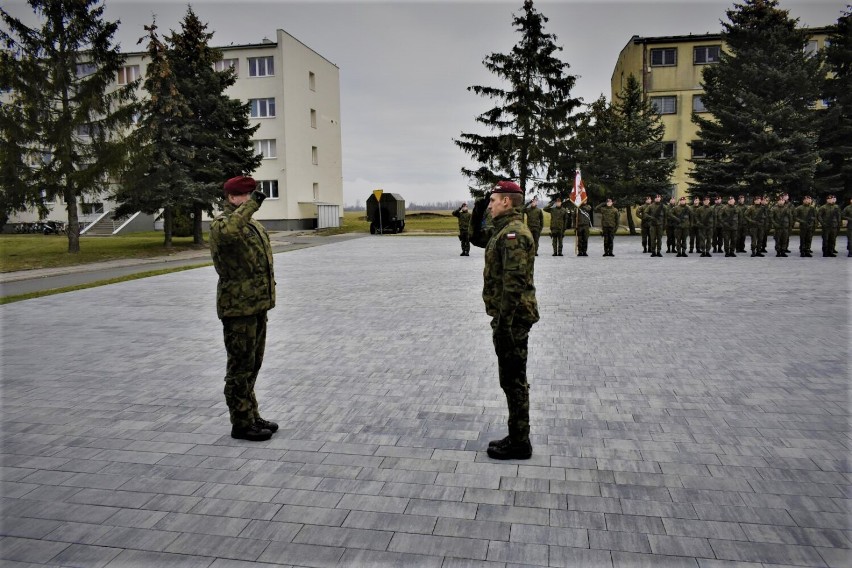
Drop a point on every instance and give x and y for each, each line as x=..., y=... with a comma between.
x=24, y=252
x=415, y=222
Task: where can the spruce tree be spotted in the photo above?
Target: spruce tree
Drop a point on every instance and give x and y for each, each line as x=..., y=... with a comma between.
x=761, y=134
x=65, y=117
x=158, y=180
x=218, y=128
x=834, y=174
x=596, y=152
x=532, y=119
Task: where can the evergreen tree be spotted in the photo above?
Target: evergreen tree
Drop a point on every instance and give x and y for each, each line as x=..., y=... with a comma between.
x=218, y=128
x=64, y=120
x=761, y=136
x=834, y=174
x=158, y=179
x=532, y=118
x=620, y=147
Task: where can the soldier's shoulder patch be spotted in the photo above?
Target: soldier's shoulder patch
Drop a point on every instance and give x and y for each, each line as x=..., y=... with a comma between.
x=511, y=236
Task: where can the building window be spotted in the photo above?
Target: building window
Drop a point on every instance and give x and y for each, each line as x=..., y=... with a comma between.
x=698, y=104
x=269, y=187
x=313, y=118
x=316, y=192
x=225, y=64
x=128, y=74
x=262, y=108
x=705, y=54
x=92, y=208
x=261, y=66
x=698, y=150
x=314, y=155
x=86, y=69
x=811, y=48
x=312, y=81
x=664, y=105
x=665, y=56
x=265, y=147
x=88, y=130
x=668, y=150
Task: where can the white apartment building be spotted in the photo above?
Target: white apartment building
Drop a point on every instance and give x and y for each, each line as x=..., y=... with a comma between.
x=294, y=94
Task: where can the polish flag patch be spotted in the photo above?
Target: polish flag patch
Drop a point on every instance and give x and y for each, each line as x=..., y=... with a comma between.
x=511, y=236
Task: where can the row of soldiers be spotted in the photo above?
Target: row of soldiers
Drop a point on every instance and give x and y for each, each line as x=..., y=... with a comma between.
x=723, y=227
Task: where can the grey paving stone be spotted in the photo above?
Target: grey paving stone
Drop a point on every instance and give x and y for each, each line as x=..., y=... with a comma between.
x=30, y=550
x=623, y=541
x=311, y=515
x=344, y=537
x=519, y=553
x=634, y=560
x=146, y=558
x=766, y=553
x=446, y=545
x=571, y=557
x=556, y=536
x=85, y=555
x=391, y=522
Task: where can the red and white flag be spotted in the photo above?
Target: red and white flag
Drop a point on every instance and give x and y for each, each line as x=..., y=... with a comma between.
x=578, y=194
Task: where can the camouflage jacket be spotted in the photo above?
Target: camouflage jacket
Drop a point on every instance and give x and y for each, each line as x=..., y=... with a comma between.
x=681, y=215
x=609, y=216
x=755, y=215
x=829, y=216
x=655, y=213
x=558, y=216
x=582, y=214
x=728, y=217
x=535, y=217
x=781, y=215
x=847, y=214
x=464, y=220
x=806, y=216
x=640, y=213
x=704, y=217
x=242, y=256
x=508, y=290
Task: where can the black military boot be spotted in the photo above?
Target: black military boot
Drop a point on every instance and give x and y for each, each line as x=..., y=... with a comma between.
x=268, y=424
x=498, y=443
x=511, y=450
x=253, y=433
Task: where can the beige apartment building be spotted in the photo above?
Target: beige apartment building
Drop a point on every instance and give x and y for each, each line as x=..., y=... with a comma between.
x=669, y=71
x=294, y=94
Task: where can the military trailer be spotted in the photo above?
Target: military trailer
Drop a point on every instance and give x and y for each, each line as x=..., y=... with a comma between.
x=386, y=215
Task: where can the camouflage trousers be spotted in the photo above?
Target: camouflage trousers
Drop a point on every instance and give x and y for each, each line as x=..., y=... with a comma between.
x=693, y=237
x=245, y=341
x=782, y=239
x=680, y=239
x=608, y=234
x=645, y=229
x=705, y=239
x=655, y=238
x=464, y=237
x=729, y=240
x=512, y=369
x=756, y=239
x=536, y=234
x=582, y=239
x=829, y=239
x=806, y=235
x=556, y=237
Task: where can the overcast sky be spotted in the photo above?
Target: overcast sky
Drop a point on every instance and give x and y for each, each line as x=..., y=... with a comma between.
x=405, y=66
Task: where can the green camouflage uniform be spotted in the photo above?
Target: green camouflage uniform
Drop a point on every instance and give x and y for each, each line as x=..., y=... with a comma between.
x=656, y=214
x=584, y=221
x=242, y=256
x=681, y=216
x=609, y=224
x=729, y=220
x=847, y=214
x=558, y=222
x=756, y=220
x=644, y=225
x=829, y=219
x=705, y=218
x=742, y=227
x=464, y=229
x=781, y=216
x=693, y=229
x=509, y=296
x=806, y=216
x=535, y=222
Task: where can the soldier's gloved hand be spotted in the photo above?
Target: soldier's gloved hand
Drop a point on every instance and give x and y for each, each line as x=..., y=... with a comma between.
x=503, y=340
x=258, y=196
x=477, y=216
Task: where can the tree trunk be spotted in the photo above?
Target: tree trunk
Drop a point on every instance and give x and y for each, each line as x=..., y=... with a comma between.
x=168, y=217
x=630, y=224
x=197, y=232
x=73, y=222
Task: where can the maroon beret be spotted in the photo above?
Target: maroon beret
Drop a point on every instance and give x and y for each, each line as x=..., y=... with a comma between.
x=240, y=185
x=507, y=187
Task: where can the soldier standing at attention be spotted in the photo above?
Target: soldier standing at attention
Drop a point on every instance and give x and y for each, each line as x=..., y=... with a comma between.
x=704, y=218
x=728, y=218
x=805, y=214
x=717, y=225
x=693, y=229
x=681, y=215
x=669, y=225
x=242, y=257
x=767, y=222
x=535, y=220
x=464, y=228
x=829, y=218
x=847, y=214
x=609, y=224
x=754, y=215
x=581, y=227
x=781, y=226
x=509, y=296
x=742, y=229
x=656, y=215
x=645, y=225
x=558, y=220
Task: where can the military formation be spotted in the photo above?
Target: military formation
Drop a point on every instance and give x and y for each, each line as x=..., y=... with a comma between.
x=709, y=225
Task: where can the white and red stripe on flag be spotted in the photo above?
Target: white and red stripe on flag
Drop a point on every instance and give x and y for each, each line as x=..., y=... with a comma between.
x=578, y=194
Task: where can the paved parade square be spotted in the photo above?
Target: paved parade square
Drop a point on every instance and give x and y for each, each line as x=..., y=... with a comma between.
x=685, y=412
